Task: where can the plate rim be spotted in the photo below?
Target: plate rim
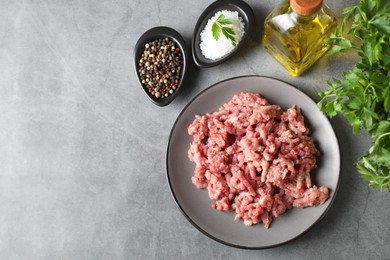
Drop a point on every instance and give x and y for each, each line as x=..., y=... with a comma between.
x=204, y=231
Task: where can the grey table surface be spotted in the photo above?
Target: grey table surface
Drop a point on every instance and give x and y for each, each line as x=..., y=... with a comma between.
x=82, y=149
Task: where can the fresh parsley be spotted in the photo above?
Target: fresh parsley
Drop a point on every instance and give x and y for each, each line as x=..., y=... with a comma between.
x=363, y=95
x=223, y=25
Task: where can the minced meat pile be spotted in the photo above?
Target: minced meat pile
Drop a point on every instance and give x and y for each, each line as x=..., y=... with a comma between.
x=255, y=159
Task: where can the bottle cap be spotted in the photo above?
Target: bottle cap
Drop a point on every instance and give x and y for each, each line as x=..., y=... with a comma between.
x=305, y=7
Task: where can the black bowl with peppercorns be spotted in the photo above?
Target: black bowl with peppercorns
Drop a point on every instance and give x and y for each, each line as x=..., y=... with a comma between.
x=160, y=58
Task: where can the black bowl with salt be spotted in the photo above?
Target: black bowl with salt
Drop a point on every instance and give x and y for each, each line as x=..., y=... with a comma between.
x=209, y=56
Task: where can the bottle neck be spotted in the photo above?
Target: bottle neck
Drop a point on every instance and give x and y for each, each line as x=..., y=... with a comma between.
x=302, y=19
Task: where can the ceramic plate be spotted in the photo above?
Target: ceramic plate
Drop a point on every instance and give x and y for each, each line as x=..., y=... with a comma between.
x=195, y=203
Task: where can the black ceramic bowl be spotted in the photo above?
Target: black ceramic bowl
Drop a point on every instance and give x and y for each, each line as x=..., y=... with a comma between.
x=244, y=11
x=154, y=34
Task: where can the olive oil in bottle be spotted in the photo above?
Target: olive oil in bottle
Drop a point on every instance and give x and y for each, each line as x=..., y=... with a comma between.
x=294, y=33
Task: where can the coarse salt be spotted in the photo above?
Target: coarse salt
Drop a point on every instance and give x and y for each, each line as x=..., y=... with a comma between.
x=215, y=49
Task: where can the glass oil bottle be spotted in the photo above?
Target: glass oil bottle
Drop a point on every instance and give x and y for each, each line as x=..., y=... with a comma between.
x=294, y=33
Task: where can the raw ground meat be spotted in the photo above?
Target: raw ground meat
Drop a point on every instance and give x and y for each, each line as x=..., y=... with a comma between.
x=255, y=159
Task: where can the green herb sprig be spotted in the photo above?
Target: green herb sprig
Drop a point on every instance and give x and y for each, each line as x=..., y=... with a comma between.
x=223, y=25
x=363, y=95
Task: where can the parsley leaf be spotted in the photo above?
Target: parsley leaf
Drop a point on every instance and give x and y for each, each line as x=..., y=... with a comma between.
x=216, y=30
x=363, y=95
x=223, y=25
